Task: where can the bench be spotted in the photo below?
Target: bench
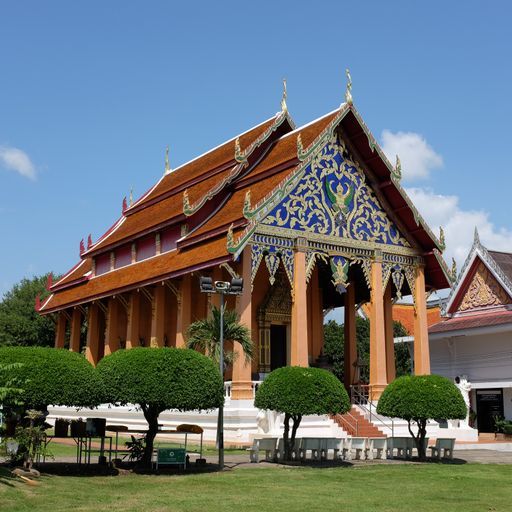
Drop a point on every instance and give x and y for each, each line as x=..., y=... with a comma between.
x=266, y=444
x=380, y=445
x=445, y=445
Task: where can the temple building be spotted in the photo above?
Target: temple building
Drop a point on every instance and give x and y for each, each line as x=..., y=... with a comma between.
x=312, y=218
x=472, y=342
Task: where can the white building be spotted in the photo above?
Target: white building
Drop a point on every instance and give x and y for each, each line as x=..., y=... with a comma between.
x=474, y=340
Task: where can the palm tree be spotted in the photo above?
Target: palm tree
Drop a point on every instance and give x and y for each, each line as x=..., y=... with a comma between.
x=203, y=335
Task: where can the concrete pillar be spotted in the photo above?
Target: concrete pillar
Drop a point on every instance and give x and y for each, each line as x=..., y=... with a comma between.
x=158, y=317
x=184, y=311
x=133, y=323
x=93, y=335
x=112, y=327
x=299, y=341
x=76, y=329
x=60, y=330
x=421, y=348
x=390, y=342
x=317, y=317
x=378, y=371
x=241, y=376
x=350, y=348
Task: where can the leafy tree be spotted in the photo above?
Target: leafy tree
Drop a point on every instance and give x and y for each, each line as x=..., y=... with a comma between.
x=334, y=336
x=419, y=398
x=51, y=376
x=297, y=391
x=10, y=383
x=20, y=324
x=157, y=379
x=204, y=335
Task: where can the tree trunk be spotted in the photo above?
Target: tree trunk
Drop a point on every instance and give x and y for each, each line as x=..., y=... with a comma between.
x=151, y=414
x=289, y=442
x=419, y=439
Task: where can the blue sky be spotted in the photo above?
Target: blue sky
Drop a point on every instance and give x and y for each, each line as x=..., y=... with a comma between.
x=92, y=92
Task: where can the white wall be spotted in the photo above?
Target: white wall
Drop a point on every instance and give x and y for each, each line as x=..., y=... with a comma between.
x=484, y=358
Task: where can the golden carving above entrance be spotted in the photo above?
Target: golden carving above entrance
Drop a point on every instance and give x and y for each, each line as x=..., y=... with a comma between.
x=484, y=291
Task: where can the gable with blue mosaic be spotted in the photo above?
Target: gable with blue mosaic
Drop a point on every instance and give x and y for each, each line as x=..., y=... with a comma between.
x=333, y=198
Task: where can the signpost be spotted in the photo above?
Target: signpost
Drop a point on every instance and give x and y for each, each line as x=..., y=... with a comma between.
x=171, y=457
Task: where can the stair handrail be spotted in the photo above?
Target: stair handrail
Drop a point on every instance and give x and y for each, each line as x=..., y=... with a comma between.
x=360, y=394
x=345, y=420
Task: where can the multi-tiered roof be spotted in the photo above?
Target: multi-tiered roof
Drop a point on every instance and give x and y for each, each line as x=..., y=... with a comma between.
x=194, y=211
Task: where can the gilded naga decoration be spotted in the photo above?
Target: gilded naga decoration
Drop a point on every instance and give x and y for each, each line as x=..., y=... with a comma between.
x=348, y=91
x=284, y=106
x=396, y=173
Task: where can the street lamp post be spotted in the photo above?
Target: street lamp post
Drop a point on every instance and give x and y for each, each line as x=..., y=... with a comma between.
x=222, y=288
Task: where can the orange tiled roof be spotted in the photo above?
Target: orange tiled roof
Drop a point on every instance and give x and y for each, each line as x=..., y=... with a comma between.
x=166, y=265
x=404, y=313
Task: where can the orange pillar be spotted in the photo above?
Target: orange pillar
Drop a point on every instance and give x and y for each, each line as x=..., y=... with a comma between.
x=76, y=328
x=350, y=347
x=133, y=324
x=378, y=371
x=421, y=348
x=184, y=311
x=93, y=335
x=158, y=317
x=112, y=331
x=60, y=330
x=299, y=341
x=241, y=388
x=390, y=341
x=317, y=316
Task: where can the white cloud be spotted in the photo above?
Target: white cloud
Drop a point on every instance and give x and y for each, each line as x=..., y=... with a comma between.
x=458, y=224
x=17, y=160
x=416, y=155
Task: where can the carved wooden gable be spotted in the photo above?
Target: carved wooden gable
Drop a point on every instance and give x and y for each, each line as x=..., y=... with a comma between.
x=483, y=291
x=333, y=198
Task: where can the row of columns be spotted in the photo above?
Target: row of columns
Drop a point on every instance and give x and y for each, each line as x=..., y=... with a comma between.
x=382, y=365
x=105, y=327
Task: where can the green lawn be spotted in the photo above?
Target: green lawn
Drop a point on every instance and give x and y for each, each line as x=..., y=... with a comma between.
x=382, y=488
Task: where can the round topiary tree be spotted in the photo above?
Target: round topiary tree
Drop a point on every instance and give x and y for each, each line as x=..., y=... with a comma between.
x=297, y=391
x=419, y=398
x=157, y=379
x=49, y=376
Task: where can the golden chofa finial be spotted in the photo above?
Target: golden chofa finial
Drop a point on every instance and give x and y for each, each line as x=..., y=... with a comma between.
x=397, y=171
x=442, y=241
x=284, y=107
x=454, y=270
x=348, y=91
x=167, y=165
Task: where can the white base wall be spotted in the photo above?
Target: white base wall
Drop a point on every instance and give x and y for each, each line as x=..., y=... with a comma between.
x=240, y=425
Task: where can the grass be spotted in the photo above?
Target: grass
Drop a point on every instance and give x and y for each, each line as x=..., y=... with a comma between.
x=59, y=450
x=382, y=488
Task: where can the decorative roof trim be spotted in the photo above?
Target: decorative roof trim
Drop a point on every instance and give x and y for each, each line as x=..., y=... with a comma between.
x=242, y=157
x=477, y=250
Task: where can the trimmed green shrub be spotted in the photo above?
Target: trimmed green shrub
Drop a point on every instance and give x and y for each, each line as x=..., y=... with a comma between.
x=158, y=379
x=419, y=398
x=50, y=376
x=297, y=391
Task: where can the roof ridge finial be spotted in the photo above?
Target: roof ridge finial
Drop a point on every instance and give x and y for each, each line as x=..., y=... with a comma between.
x=454, y=270
x=348, y=90
x=397, y=171
x=476, y=239
x=131, y=196
x=442, y=241
x=167, y=165
x=284, y=106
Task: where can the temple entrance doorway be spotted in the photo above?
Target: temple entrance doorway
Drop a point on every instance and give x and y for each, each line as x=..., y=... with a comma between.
x=278, y=346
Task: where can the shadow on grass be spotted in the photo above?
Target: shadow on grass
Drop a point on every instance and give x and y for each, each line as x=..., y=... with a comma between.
x=6, y=478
